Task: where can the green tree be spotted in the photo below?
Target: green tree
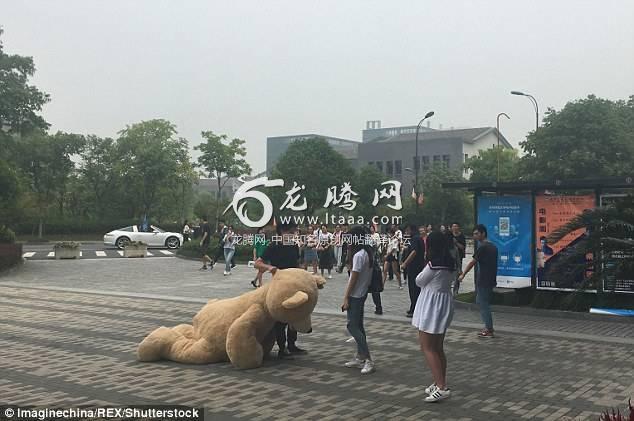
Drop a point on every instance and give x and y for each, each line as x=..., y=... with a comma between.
x=312, y=163
x=368, y=179
x=150, y=159
x=484, y=166
x=440, y=205
x=588, y=138
x=46, y=162
x=222, y=161
x=97, y=171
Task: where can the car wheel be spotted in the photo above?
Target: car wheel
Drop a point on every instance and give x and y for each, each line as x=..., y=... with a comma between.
x=172, y=243
x=121, y=242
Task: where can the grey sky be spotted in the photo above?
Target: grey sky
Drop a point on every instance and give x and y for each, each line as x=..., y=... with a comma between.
x=254, y=69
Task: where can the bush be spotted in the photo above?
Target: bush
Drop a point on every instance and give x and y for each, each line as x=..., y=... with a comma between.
x=67, y=245
x=6, y=235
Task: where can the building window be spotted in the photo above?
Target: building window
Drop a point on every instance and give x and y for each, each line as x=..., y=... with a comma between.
x=416, y=161
x=379, y=166
x=389, y=168
x=425, y=163
x=371, y=163
x=466, y=156
x=445, y=160
x=398, y=168
x=436, y=158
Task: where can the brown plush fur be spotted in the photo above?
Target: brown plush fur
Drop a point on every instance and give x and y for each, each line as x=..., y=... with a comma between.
x=238, y=329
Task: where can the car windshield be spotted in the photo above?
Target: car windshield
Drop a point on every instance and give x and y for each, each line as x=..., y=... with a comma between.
x=157, y=229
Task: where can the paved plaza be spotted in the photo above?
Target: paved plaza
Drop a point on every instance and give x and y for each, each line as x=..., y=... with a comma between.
x=70, y=330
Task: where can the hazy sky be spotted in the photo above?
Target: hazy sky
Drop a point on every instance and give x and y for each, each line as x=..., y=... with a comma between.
x=253, y=69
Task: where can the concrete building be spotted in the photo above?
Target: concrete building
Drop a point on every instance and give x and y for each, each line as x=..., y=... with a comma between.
x=392, y=155
x=276, y=146
x=374, y=131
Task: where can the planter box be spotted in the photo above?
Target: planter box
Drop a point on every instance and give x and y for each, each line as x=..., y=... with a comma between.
x=66, y=253
x=134, y=251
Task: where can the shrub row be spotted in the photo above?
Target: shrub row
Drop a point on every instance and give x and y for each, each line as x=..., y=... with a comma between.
x=79, y=226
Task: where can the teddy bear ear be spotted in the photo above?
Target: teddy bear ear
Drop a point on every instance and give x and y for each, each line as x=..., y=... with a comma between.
x=299, y=298
x=320, y=281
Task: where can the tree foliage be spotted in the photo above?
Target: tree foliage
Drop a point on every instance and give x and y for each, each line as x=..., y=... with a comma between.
x=314, y=164
x=588, y=138
x=440, y=205
x=484, y=165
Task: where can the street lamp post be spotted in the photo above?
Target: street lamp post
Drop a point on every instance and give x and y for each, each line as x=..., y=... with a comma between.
x=498, y=149
x=534, y=101
x=416, y=159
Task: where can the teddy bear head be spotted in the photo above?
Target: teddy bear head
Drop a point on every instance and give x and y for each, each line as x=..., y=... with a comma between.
x=292, y=296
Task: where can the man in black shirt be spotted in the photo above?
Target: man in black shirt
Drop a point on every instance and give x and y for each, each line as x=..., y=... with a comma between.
x=460, y=243
x=204, y=244
x=486, y=257
x=282, y=254
x=413, y=264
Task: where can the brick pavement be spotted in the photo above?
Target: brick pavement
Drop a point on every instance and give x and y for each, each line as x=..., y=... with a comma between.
x=69, y=348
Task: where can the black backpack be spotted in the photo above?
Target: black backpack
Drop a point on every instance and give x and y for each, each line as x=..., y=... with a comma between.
x=376, y=284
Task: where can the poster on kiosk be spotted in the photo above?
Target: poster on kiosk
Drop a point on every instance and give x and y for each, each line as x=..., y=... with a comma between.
x=508, y=220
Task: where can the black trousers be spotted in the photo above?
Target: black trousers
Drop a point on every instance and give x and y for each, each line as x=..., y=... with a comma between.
x=414, y=290
x=376, y=299
x=285, y=334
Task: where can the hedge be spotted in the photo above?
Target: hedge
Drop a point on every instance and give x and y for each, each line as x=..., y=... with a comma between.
x=79, y=226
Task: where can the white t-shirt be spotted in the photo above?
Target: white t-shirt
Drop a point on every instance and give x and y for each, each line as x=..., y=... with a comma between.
x=361, y=264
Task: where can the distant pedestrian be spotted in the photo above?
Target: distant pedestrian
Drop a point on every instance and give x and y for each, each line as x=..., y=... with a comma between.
x=391, y=257
x=325, y=251
x=361, y=259
x=338, y=246
x=310, y=249
x=186, y=232
x=486, y=257
x=413, y=264
x=260, y=244
x=204, y=244
x=460, y=242
x=229, y=246
x=375, y=239
x=434, y=312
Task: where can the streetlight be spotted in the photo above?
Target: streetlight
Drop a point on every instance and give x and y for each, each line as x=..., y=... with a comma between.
x=534, y=101
x=416, y=160
x=498, y=149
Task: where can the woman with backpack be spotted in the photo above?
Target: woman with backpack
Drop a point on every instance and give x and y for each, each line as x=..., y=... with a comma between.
x=434, y=311
x=361, y=260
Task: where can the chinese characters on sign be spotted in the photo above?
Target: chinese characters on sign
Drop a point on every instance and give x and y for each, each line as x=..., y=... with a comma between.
x=340, y=196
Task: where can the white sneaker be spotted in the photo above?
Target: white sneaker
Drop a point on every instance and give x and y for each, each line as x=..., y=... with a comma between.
x=225, y=273
x=329, y=276
x=430, y=389
x=355, y=363
x=368, y=367
x=350, y=340
x=438, y=395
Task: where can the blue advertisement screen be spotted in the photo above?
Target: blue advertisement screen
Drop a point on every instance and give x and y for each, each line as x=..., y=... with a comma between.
x=509, y=224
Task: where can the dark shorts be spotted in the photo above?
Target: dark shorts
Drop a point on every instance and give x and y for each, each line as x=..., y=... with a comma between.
x=391, y=258
x=204, y=249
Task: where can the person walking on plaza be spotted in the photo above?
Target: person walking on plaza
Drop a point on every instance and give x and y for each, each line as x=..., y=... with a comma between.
x=375, y=239
x=259, y=246
x=413, y=264
x=283, y=253
x=391, y=257
x=486, y=257
x=205, y=231
x=460, y=242
x=186, y=232
x=434, y=311
x=338, y=247
x=310, y=249
x=324, y=251
x=229, y=247
x=361, y=259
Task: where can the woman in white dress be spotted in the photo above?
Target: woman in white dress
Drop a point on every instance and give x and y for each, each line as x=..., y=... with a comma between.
x=434, y=311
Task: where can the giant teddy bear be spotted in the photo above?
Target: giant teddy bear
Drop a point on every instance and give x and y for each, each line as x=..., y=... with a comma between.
x=238, y=329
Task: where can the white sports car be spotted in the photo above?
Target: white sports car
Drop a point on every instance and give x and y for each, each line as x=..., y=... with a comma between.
x=154, y=237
